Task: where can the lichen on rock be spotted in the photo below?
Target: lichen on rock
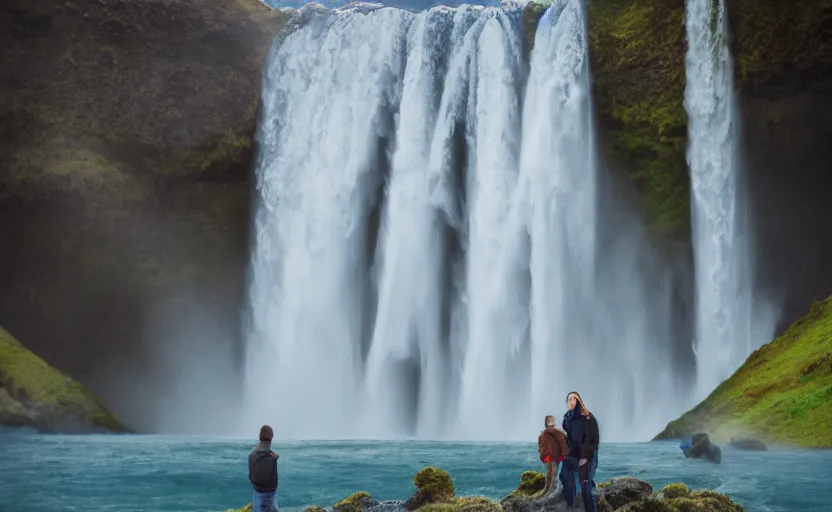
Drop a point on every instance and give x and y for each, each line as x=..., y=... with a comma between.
x=33, y=393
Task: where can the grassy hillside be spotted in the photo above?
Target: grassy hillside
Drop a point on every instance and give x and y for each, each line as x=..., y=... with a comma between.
x=782, y=394
x=32, y=393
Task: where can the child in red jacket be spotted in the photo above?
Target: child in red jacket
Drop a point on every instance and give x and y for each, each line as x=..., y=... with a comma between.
x=551, y=444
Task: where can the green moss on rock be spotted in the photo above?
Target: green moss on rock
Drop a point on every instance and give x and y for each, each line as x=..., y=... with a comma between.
x=314, y=508
x=674, y=490
x=356, y=502
x=531, y=482
x=477, y=504
x=32, y=393
x=433, y=486
x=781, y=394
x=638, y=54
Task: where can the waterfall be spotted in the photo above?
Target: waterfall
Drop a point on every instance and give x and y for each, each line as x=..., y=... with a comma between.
x=430, y=257
x=726, y=327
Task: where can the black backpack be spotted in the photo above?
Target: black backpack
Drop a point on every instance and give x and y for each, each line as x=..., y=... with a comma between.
x=263, y=469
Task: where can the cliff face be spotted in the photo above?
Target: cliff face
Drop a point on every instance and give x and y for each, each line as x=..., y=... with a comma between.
x=125, y=162
x=638, y=63
x=783, y=75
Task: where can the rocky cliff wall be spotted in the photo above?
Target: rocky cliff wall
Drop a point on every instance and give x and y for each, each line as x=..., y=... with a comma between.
x=125, y=164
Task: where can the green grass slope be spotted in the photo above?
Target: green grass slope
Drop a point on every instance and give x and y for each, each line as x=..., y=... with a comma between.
x=782, y=394
x=33, y=393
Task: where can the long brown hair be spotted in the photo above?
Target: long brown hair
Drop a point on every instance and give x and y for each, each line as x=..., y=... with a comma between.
x=584, y=411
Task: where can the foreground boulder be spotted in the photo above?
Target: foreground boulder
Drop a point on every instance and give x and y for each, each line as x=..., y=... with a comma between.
x=34, y=394
x=435, y=493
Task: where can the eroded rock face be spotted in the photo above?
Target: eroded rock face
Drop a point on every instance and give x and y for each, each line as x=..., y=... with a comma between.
x=125, y=185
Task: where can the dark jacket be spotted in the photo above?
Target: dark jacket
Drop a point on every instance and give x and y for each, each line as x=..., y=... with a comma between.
x=582, y=434
x=262, y=468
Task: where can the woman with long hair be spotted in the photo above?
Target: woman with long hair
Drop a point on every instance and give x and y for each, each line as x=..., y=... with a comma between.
x=582, y=438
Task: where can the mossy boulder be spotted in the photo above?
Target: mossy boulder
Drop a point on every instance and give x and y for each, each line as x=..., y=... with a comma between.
x=433, y=485
x=531, y=482
x=529, y=494
x=314, y=508
x=34, y=394
x=637, y=49
x=356, y=502
x=781, y=388
x=635, y=495
x=673, y=490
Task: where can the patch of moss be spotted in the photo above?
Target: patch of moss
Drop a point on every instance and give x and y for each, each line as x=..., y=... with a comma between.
x=674, y=490
x=638, y=58
x=356, y=502
x=477, y=504
x=433, y=486
x=781, y=394
x=464, y=504
x=776, y=39
x=48, y=397
x=531, y=483
x=247, y=508
x=314, y=508
x=67, y=167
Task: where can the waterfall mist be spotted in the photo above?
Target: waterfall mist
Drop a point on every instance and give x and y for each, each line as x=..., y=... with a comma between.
x=432, y=258
x=731, y=317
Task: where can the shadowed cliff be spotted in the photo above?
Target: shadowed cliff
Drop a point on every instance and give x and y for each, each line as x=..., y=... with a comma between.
x=125, y=163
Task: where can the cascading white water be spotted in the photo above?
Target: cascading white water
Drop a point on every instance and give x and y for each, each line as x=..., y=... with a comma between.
x=328, y=89
x=724, y=330
x=483, y=298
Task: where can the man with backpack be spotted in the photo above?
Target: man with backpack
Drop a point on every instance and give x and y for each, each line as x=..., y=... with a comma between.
x=262, y=473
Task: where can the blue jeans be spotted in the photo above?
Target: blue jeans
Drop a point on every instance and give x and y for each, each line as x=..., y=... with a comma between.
x=570, y=471
x=264, y=502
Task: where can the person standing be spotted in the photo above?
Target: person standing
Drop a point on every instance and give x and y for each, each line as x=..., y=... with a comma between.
x=582, y=438
x=551, y=444
x=262, y=473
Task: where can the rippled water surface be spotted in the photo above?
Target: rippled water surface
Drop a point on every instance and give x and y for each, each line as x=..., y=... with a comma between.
x=52, y=473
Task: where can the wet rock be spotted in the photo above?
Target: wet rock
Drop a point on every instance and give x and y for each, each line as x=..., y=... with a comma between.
x=622, y=490
x=748, y=443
